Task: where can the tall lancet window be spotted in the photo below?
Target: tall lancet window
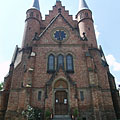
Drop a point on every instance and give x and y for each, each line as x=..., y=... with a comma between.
x=69, y=63
x=60, y=61
x=51, y=63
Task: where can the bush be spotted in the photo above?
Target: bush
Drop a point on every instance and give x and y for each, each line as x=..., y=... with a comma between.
x=75, y=113
x=78, y=118
x=47, y=114
x=32, y=113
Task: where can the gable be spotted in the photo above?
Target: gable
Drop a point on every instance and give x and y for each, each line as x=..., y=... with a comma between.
x=59, y=23
x=59, y=8
x=53, y=20
x=60, y=74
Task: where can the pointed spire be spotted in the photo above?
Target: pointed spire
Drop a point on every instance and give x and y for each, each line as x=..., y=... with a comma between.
x=36, y=4
x=83, y=5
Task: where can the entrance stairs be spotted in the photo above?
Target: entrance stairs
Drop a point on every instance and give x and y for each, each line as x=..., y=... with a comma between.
x=61, y=117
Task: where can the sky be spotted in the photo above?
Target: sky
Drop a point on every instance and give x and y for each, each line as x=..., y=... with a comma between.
x=106, y=20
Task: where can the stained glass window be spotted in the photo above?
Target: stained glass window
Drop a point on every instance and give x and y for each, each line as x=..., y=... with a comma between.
x=51, y=62
x=60, y=61
x=69, y=63
x=60, y=35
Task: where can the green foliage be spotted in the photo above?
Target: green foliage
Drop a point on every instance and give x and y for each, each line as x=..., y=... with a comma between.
x=47, y=114
x=75, y=112
x=38, y=113
x=78, y=118
x=1, y=86
x=32, y=113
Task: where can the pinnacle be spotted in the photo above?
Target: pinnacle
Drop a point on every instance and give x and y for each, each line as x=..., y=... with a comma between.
x=83, y=5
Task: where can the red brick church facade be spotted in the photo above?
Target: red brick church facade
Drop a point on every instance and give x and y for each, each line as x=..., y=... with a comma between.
x=60, y=67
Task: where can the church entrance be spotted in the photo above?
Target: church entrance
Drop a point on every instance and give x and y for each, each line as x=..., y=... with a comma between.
x=61, y=103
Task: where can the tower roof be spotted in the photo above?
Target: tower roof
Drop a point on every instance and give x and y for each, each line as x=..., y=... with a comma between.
x=83, y=5
x=35, y=4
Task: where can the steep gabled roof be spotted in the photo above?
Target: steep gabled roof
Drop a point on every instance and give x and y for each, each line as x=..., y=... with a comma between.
x=36, y=4
x=83, y=5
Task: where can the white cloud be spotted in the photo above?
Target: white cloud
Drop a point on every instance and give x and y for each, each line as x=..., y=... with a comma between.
x=4, y=68
x=97, y=32
x=113, y=63
x=115, y=66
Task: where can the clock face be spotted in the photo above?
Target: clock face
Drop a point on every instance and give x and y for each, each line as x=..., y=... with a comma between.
x=60, y=34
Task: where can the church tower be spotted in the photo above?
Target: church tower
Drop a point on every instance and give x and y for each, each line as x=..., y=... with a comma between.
x=32, y=23
x=59, y=71
x=85, y=23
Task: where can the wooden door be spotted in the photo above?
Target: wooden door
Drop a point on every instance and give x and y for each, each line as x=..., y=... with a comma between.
x=61, y=103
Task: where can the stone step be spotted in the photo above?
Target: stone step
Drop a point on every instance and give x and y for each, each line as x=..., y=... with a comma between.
x=61, y=117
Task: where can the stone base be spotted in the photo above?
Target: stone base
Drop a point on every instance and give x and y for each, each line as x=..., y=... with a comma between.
x=2, y=115
x=98, y=115
x=13, y=115
x=110, y=115
x=103, y=115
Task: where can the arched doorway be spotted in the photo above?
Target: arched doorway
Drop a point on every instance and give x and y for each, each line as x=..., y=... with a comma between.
x=61, y=98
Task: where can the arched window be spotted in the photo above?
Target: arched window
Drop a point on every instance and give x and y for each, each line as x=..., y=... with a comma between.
x=69, y=63
x=60, y=61
x=31, y=14
x=51, y=63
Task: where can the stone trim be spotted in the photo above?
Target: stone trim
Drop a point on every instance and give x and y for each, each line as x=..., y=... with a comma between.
x=57, y=45
x=85, y=19
x=32, y=18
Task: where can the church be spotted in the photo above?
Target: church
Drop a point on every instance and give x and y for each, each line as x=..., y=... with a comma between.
x=60, y=68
